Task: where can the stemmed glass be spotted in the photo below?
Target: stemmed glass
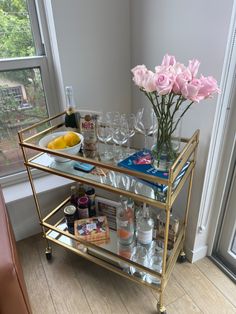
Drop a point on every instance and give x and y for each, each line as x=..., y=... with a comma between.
x=120, y=135
x=104, y=134
x=131, y=120
x=113, y=118
x=146, y=123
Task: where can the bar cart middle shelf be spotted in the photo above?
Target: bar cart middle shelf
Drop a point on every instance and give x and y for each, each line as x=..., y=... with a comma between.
x=107, y=255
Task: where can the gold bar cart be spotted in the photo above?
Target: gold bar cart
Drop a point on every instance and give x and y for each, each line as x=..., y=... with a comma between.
x=53, y=224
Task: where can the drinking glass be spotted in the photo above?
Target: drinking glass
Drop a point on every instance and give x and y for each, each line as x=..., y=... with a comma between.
x=104, y=134
x=139, y=256
x=120, y=136
x=146, y=123
x=113, y=119
x=155, y=263
x=131, y=121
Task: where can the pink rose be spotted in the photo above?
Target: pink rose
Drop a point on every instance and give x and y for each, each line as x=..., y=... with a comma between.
x=139, y=72
x=179, y=68
x=190, y=90
x=193, y=67
x=164, y=82
x=148, y=83
x=209, y=87
x=181, y=80
x=168, y=60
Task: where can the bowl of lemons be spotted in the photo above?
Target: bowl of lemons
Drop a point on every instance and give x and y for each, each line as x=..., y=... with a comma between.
x=68, y=142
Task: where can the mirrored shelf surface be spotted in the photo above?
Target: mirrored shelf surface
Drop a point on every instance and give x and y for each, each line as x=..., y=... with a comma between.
x=116, y=180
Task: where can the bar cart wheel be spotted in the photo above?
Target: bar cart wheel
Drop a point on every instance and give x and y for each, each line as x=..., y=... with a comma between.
x=161, y=309
x=48, y=253
x=182, y=257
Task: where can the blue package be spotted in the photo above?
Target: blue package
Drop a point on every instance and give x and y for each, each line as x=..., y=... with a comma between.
x=130, y=163
x=82, y=166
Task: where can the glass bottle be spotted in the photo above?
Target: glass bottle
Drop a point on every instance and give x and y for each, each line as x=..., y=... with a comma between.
x=73, y=195
x=90, y=192
x=145, y=228
x=72, y=117
x=125, y=222
x=80, y=190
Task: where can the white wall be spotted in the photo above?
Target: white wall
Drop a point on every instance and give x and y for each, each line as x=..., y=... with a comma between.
x=186, y=29
x=93, y=38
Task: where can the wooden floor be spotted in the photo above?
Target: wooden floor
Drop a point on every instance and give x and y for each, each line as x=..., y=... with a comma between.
x=70, y=284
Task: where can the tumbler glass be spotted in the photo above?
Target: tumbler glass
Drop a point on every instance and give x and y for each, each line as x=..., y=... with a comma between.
x=139, y=256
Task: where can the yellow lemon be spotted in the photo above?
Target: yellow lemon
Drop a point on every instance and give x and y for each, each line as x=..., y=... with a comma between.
x=50, y=145
x=59, y=143
x=71, y=139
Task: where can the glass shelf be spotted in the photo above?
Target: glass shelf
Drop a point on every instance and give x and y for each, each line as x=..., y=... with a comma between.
x=109, y=252
x=117, y=182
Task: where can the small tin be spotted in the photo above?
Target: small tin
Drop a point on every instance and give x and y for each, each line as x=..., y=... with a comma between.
x=70, y=215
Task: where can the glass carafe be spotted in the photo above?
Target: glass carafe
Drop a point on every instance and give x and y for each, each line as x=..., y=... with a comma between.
x=125, y=222
x=145, y=228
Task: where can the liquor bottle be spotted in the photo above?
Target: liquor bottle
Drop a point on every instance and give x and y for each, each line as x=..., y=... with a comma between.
x=80, y=190
x=173, y=229
x=145, y=228
x=125, y=222
x=72, y=117
x=88, y=127
x=90, y=192
x=73, y=195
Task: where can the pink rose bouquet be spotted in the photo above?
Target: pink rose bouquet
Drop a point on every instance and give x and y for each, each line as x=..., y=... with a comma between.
x=168, y=88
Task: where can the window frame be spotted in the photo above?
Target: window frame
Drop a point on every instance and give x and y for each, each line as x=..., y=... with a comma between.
x=42, y=60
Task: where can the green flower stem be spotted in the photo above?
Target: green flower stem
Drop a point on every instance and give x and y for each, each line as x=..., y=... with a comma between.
x=165, y=108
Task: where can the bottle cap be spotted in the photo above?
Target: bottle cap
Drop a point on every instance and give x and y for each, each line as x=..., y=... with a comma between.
x=83, y=200
x=69, y=210
x=90, y=191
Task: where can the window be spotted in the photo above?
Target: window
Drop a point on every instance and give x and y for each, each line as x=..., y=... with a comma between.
x=25, y=84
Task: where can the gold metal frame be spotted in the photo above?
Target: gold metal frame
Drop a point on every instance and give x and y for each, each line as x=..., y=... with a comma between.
x=188, y=153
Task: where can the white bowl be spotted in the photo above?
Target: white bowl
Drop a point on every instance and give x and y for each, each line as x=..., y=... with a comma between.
x=69, y=150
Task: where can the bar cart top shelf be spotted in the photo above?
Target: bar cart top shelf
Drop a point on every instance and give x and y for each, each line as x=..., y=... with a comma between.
x=108, y=175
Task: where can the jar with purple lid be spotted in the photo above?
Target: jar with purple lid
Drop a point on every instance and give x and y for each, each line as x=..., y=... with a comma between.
x=83, y=207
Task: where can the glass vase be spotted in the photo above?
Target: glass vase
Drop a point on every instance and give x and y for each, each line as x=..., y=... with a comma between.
x=167, y=141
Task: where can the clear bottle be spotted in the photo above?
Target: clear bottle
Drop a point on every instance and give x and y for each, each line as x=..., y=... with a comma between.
x=72, y=117
x=125, y=222
x=145, y=228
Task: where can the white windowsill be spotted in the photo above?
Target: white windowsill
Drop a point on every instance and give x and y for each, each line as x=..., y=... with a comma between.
x=22, y=190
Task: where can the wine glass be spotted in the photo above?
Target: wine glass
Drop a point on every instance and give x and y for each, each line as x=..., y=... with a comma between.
x=146, y=124
x=131, y=120
x=113, y=118
x=120, y=135
x=104, y=134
